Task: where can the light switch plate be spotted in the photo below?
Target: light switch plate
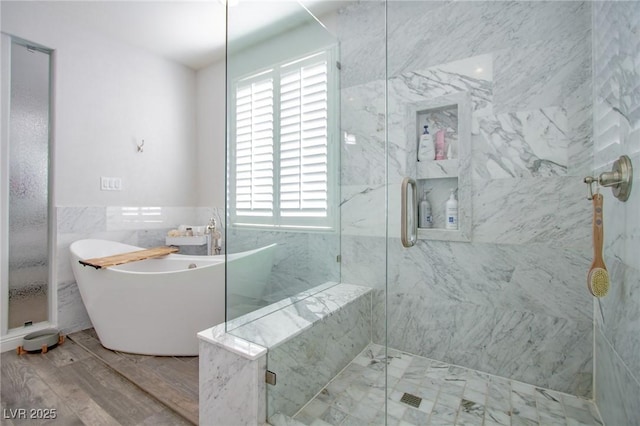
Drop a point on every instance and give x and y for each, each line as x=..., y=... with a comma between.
x=110, y=183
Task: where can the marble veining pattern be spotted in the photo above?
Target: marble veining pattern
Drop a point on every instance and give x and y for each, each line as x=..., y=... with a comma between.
x=286, y=323
x=81, y=219
x=616, y=48
x=478, y=27
x=231, y=386
x=497, y=340
x=495, y=277
x=450, y=395
x=363, y=116
x=362, y=210
x=460, y=309
x=529, y=250
x=72, y=314
x=302, y=260
x=580, y=117
x=331, y=328
x=276, y=306
x=616, y=391
x=365, y=263
x=621, y=311
x=307, y=362
x=362, y=45
x=218, y=336
x=550, y=219
x=544, y=73
x=454, y=77
x=521, y=144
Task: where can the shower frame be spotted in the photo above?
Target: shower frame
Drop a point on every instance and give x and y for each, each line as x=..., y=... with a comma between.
x=11, y=338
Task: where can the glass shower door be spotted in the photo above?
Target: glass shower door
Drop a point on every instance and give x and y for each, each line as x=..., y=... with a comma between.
x=493, y=296
x=460, y=322
x=282, y=156
x=306, y=152
x=283, y=224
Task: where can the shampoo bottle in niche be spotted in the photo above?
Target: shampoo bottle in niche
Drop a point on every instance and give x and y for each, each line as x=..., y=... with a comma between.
x=440, y=146
x=451, y=212
x=425, y=219
x=426, y=150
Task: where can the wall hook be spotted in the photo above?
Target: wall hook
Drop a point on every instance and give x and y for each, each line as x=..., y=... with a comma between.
x=590, y=180
x=140, y=149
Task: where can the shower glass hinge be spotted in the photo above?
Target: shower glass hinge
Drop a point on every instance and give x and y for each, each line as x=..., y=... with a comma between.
x=339, y=258
x=270, y=378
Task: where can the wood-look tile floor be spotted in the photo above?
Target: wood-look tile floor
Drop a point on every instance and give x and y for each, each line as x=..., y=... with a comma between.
x=88, y=384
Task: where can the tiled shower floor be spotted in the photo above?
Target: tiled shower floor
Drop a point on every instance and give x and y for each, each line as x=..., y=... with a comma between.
x=451, y=395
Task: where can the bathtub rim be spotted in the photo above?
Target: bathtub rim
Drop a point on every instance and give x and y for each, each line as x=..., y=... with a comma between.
x=213, y=260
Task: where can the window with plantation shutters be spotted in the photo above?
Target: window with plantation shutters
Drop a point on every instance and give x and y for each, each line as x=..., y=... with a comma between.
x=282, y=156
x=254, y=151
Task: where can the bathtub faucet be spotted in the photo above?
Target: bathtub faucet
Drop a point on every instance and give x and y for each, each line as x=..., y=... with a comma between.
x=213, y=245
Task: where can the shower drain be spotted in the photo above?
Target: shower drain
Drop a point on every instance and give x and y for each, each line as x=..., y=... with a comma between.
x=411, y=400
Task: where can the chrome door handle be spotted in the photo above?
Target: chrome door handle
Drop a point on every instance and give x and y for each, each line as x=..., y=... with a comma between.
x=409, y=213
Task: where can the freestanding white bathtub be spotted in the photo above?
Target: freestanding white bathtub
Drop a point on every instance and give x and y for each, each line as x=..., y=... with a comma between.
x=156, y=306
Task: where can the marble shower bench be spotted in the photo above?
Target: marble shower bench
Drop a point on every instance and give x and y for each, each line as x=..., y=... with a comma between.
x=306, y=340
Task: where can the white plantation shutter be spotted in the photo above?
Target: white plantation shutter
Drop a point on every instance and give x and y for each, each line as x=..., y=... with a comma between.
x=303, y=139
x=254, y=154
x=282, y=156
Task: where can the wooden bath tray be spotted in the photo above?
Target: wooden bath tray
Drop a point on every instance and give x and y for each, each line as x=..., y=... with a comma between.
x=134, y=256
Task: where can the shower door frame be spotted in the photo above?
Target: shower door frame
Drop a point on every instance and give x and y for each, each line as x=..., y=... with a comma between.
x=12, y=338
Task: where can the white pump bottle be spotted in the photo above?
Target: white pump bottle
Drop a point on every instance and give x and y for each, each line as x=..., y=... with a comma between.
x=425, y=219
x=451, y=211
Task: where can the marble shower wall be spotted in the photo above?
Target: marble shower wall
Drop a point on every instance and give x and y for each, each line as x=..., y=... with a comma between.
x=616, y=52
x=303, y=259
x=513, y=301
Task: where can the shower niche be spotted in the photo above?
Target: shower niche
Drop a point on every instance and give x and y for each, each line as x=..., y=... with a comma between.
x=449, y=119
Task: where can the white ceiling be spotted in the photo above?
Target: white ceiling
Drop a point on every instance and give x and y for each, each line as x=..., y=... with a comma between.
x=190, y=32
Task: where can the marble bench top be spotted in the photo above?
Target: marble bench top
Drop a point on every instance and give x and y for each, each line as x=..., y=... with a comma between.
x=273, y=325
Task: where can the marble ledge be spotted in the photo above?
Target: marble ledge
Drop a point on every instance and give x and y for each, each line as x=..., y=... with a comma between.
x=218, y=336
x=440, y=234
x=284, y=324
x=273, y=307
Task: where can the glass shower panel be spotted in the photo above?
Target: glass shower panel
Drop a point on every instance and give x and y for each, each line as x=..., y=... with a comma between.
x=511, y=124
x=307, y=184
x=282, y=156
x=28, y=186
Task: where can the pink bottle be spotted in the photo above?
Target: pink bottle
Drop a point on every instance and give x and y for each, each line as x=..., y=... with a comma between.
x=440, y=148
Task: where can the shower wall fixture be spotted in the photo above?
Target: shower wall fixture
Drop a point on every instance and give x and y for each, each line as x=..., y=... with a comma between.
x=619, y=179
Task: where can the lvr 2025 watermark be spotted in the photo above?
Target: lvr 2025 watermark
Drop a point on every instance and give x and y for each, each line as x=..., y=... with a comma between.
x=29, y=413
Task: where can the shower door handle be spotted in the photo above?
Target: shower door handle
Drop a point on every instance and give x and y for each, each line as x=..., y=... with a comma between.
x=409, y=213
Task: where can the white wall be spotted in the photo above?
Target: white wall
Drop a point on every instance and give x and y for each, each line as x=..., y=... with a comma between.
x=108, y=96
x=211, y=135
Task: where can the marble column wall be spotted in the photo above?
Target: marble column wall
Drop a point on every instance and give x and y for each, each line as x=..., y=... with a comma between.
x=513, y=301
x=616, y=51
